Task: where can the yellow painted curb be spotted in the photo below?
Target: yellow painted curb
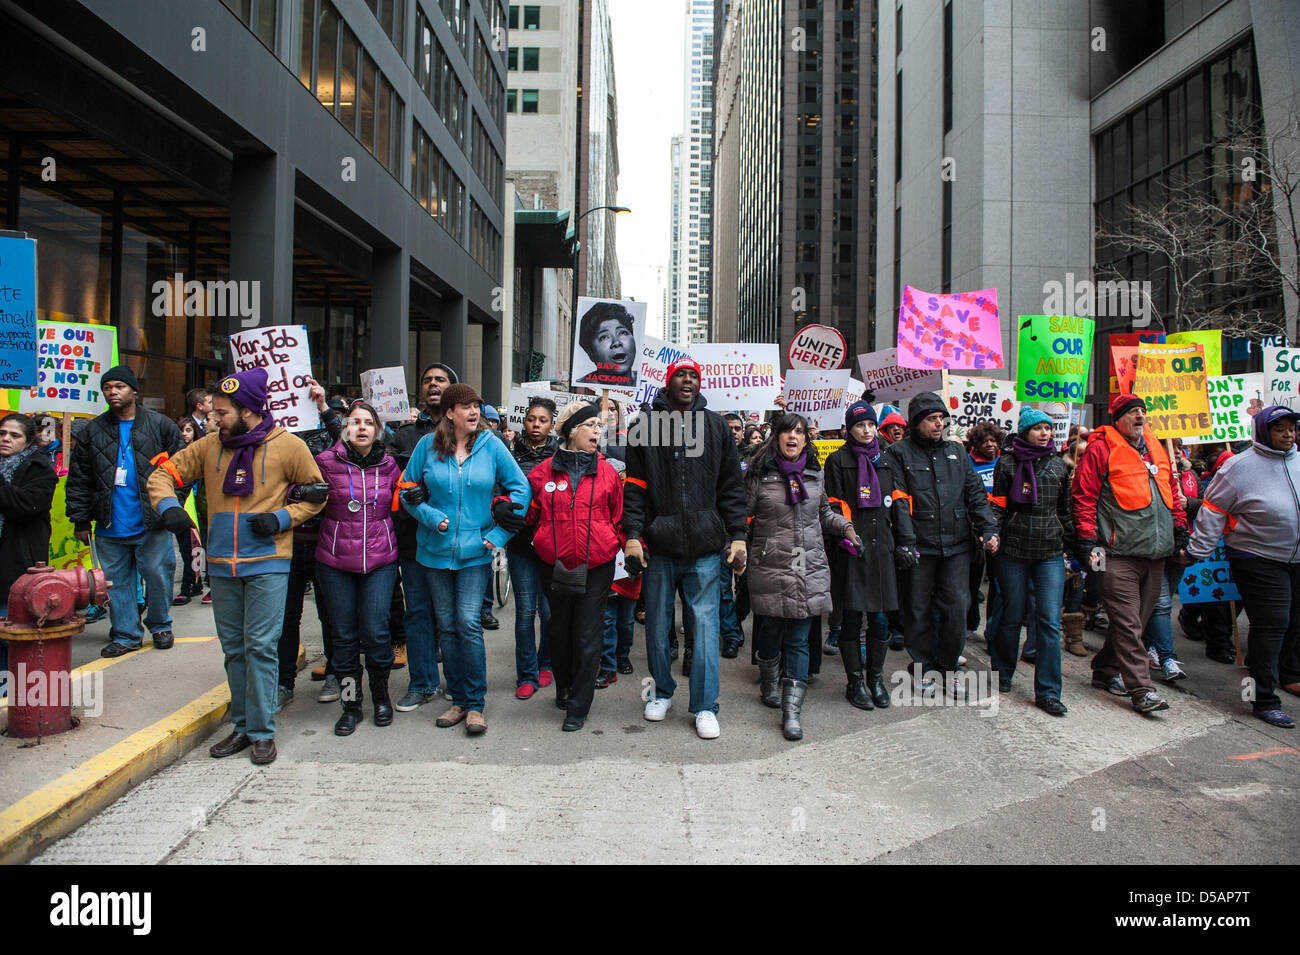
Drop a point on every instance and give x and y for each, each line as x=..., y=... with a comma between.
x=53, y=811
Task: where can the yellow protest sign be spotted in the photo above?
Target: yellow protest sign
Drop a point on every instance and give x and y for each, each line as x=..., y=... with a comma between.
x=1210, y=341
x=1173, y=381
x=825, y=449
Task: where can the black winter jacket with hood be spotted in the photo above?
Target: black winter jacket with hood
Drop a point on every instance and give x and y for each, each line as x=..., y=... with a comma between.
x=93, y=468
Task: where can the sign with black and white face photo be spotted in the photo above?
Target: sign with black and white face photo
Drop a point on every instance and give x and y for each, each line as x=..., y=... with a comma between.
x=606, y=340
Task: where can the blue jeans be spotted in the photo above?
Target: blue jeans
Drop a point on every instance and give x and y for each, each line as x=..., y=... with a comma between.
x=728, y=624
x=698, y=579
x=249, y=612
x=421, y=647
x=358, y=608
x=457, y=608
x=531, y=654
x=620, y=612
x=1048, y=578
x=1159, y=632
x=775, y=636
x=151, y=555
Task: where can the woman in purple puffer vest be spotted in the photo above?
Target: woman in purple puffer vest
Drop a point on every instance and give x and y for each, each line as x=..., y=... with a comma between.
x=356, y=562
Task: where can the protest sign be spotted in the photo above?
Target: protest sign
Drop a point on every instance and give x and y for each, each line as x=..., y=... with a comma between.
x=854, y=391
x=817, y=346
x=889, y=381
x=1208, y=580
x=65, y=549
x=656, y=356
x=817, y=395
x=1233, y=400
x=1172, y=381
x=1123, y=346
x=517, y=407
x=71, y=358
x=18, y=313
x=385, y=390
x=605, y=350
x=1282, y=365
x=737, y=376
x=949, y=331
x=974, y=399
x=283, y=351
x=1211, y=342
x=1062, y=416
x=1052, y=360
x=825, y=449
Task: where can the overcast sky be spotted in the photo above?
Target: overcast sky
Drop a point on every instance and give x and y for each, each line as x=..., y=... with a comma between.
x=649, y=46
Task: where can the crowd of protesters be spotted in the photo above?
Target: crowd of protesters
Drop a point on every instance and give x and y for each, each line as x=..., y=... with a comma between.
x=904, y=538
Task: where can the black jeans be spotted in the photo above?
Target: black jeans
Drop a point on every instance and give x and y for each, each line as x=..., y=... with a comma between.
x=577, y=634
x=1270, y=591
x=301, y=570
x=942, y=584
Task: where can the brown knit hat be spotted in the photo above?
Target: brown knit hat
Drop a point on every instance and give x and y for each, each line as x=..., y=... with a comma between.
x=458, y=394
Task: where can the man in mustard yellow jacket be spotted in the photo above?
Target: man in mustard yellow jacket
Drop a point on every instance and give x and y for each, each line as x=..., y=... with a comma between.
x=248, y=469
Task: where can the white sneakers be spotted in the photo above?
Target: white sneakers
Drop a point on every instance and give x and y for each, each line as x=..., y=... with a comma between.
x=706, y=722
x=656, y=710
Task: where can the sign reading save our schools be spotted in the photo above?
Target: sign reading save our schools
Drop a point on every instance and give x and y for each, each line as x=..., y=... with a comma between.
x=973, y=399
x=17, y=312
x=71, y=357
x=1172, y=380
x=1282, y=365
x=1052, y=361
x=282, y=350
x=1209, y=580
x=949, y=331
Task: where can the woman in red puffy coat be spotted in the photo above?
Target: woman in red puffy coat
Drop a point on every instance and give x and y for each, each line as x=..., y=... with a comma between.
x=578, y=509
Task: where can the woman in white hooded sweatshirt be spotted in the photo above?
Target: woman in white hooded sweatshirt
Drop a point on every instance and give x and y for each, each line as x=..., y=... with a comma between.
x=1254, y=504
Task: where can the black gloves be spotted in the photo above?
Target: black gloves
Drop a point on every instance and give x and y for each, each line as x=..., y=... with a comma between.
x=905, y=558
x=311, y=493
x=414, y=496
x=1083, y=551
x=503, y=512
x=264, y=525
x=1181, y=539
x=176, y=520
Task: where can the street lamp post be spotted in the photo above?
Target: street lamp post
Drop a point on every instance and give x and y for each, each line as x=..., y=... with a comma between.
x=573, y=299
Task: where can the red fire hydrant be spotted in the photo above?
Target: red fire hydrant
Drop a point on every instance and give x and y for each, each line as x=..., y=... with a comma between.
x=43, y=618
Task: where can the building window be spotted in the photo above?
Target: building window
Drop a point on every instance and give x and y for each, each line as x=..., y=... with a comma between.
x=512, y=21
x=512, y=58
x=258, y=16
x=531, y=57
x=946, y=264
x=391, y=15
x=510, y=101
x=528, y=101
x=532, y=18
x=898, y=124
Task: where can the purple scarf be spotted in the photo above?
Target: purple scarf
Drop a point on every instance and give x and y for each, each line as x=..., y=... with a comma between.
x=868, y=482
x=239, y=475
x=1024, y=485
x=793, y=471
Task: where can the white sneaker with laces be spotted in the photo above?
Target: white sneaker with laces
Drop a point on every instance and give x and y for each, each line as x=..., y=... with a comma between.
x=656, y=710
x=706, y=725
x=1173, y=671
x=1154, y=656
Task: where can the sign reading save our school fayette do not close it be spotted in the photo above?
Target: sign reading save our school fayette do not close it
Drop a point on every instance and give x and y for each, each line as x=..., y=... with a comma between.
x=949, y=331
x=72, y=358
x=817, y=346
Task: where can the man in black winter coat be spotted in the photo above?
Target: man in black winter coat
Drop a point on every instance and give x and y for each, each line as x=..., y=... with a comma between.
x=684, y=495
x=108, y=477
x=950, y=509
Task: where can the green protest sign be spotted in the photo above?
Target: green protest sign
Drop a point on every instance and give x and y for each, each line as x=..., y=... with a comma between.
x=1052, y=358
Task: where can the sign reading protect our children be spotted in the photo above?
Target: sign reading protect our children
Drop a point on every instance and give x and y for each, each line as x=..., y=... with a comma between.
x=71, y=358
x=818, y=395
x=1052, y=360
x=18, y=351
x=949, y=331
x=282, y=350
x=737, y=376
x=889, y=381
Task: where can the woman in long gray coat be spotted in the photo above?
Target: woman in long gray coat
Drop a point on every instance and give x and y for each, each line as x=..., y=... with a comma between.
x=789, y=576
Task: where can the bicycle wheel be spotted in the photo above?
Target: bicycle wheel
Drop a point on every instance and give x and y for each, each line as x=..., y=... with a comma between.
x=502, y=583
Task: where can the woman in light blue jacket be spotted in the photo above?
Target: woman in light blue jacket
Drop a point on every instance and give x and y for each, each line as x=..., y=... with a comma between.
x=1254, y=503
x=449, y=484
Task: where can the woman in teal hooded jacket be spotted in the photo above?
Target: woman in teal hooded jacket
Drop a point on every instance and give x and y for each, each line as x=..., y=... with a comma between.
x=448, y=489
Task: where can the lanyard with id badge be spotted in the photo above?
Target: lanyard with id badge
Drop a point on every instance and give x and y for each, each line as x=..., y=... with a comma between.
x=123, y=451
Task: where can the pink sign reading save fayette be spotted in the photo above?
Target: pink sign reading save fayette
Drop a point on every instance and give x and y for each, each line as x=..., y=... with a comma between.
x=949, y=331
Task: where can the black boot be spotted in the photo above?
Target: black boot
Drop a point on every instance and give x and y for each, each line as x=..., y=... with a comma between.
x=769, y=682
x=856, y=691
x=792, y=693
x=877, y=650
x=352, y=699
x=379, y=694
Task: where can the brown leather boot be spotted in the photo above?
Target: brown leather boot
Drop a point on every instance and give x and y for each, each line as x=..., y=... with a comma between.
x=1072, y=634
x=475, y=724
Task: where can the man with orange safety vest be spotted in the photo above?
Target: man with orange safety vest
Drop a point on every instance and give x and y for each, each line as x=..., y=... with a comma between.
x=1127, y=524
